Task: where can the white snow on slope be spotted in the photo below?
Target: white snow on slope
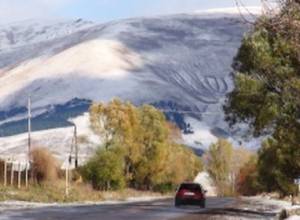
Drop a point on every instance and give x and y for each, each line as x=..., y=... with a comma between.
x=18, y=34
x=202, y=137
x=185, y=59
x=57, y=141
x=96, y=59
x=156, y=47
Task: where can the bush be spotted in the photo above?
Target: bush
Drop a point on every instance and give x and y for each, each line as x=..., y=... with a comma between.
x=44, y=165
x=165, y=187
x=248, y=179
x=105, y=170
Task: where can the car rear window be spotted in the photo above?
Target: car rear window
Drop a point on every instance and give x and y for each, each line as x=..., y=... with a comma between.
x=191, y=187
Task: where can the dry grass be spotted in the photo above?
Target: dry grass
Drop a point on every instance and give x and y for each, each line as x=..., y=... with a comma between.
x=44, y=165
x=49, y=192
x=49, y=186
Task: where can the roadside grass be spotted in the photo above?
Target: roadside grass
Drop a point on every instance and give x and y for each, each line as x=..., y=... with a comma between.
x=54, y=192
x=49, y=192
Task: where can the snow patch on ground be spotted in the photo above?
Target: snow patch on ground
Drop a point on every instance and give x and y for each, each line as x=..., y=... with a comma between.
x=206, y=182
x=18, y=205
x=268, y=204
x=294, y=217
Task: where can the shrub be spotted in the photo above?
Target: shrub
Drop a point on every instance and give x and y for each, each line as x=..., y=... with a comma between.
x=105, y=170
x=165, y=187
x=248, y=179
x=44, y=165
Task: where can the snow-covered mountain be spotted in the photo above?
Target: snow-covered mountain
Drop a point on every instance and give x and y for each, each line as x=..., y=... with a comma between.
x=179, y=63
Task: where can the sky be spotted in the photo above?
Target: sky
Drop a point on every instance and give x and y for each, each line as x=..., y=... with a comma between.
x=104, y=10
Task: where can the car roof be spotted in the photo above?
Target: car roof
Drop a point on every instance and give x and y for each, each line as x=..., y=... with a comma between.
x=190, y=183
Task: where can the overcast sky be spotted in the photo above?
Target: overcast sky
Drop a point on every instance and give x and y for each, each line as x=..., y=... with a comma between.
x=104, y=10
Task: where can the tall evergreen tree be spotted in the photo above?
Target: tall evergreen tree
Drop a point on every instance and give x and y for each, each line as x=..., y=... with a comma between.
x=267, y=93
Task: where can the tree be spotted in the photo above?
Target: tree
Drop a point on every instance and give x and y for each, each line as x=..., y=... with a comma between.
x=279, y=162
x=248, y=178
x=219, y=159
x=266, y=94
x=145, y=144
x=240, y=157
x=224, y=163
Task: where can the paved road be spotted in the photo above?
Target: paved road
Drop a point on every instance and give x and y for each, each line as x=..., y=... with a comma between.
x=156, y=210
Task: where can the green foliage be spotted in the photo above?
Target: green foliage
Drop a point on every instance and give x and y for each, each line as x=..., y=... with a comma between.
x=267, y=82
x=105, y=170
x=267, y=94
x=138, y=149
x=228, y=166
x=279, y=162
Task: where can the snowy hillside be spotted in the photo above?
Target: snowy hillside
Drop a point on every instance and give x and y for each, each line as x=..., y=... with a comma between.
x=14, y=35
x=59, y=141
x=183, y=61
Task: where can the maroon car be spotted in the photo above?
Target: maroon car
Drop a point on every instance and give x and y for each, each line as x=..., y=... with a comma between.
x=190, y=194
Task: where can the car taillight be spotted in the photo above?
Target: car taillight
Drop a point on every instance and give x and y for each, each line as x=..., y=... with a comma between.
x=181, y=192
x=199, y=194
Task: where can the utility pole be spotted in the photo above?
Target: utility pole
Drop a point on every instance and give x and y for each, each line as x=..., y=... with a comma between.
x=12, y=174
x=29, y=127
x=5, y=172
x=19, y=175
x=76, y=146
x=29, y=144
x=67, y=180
x=26, y=175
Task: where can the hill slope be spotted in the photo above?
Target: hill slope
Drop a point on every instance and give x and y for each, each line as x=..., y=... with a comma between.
x=179, y=63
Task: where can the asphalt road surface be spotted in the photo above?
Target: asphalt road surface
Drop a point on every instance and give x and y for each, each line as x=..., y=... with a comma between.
x=217, y=208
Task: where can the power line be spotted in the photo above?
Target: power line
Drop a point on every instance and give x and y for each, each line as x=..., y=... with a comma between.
x=191, y=112
x=239, y=5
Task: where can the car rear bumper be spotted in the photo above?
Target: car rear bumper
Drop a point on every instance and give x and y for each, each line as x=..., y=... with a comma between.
x=190, y=201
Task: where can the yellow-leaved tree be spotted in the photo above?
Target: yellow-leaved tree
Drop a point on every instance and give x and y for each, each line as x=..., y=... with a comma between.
x=150, y=157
